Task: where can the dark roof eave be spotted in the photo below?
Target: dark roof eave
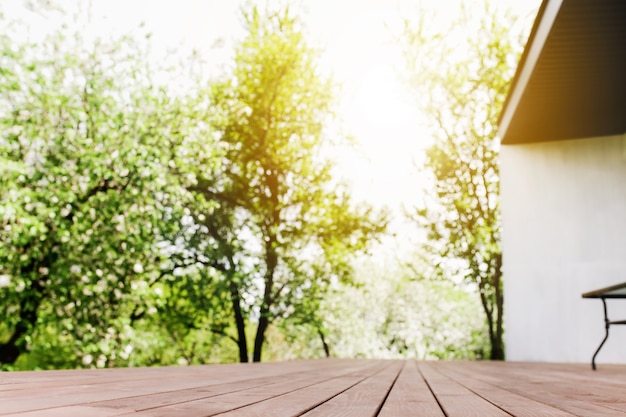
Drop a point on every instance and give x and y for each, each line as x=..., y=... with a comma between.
x=570, y=82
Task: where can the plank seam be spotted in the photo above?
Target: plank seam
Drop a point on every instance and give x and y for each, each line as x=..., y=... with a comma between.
x=477, y=394
x=382, y=404
x=301, y=388
x=96, y=402
x=130, y=395
x=512, y=391
x=432, y=392
x=259, y=384
x=340, y=392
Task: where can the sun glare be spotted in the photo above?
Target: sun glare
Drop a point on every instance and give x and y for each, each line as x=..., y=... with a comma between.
x=377, y=100
x=359, y=47
x=362, y=55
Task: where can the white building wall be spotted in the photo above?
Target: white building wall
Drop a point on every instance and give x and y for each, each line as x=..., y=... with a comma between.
x=564, y=233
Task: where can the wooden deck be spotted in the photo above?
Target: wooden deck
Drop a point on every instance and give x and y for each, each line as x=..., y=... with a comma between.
x=335, y=387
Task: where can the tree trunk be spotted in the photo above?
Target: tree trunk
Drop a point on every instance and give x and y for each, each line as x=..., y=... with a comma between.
x=260, y=336
x=494, y=309
x=324, y=343
x=271, y=261
x=241, y=324
x=15, y=346
x=10, y=351
x=484, y=300
x=497, y=352
x=494, y=327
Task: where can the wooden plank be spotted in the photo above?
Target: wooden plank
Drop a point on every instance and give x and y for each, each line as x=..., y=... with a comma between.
x=338, y=387
x=363, y=399
x=24, y=380
x=297, y=402
x=221, y=386
x=563, y=387
x=455, y=399
x=126, y=388
x=160, y=399
x=300, y=391
x=515, y=404
x=410, y=396
x=573, y=387
x=71, y=411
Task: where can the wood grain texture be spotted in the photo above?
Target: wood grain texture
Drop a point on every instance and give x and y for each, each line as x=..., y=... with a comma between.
x=512, y=403
x=454, y=398
x=326, y=387
x=410, y=396
x=573, y=388
x=300, y=391
x=364, y=399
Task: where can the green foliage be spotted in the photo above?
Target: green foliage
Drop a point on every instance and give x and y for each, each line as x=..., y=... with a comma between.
x=462, y=86
x=86, y=195
x=395, y=313
x=149, y=222
x=148, y=218
x=297, y=227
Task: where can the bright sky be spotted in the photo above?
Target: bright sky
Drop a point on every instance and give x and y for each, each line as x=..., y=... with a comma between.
x=359, y=51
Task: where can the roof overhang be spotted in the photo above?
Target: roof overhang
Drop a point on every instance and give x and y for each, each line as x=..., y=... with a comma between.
x=571, y=80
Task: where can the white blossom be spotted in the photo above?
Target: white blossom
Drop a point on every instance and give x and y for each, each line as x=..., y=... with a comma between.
x=5, y=281
x=138, y=268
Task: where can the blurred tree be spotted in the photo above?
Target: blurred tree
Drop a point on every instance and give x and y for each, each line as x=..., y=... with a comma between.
x=461, y=76
x=293, y=228
x=145, y=220
x=86, y=200
x=391, y=314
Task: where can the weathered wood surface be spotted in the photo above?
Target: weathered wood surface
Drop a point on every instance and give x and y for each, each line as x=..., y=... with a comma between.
x=316, y=388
